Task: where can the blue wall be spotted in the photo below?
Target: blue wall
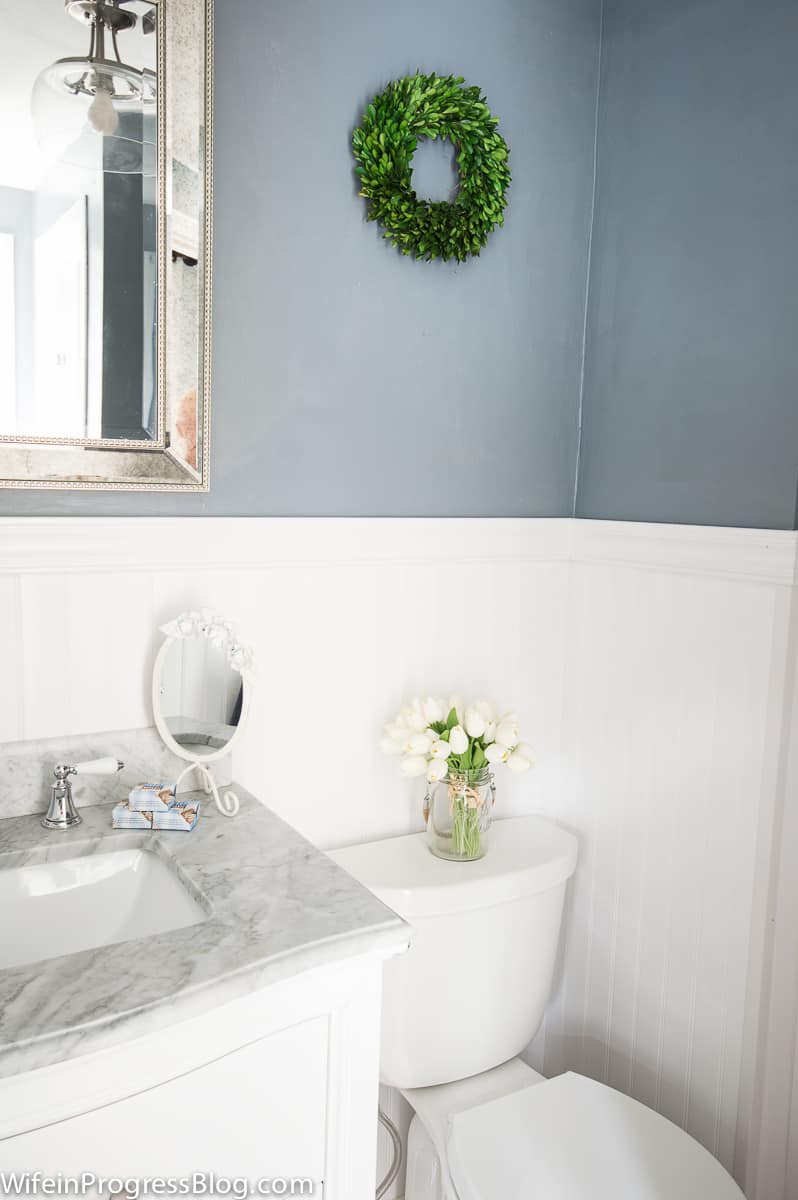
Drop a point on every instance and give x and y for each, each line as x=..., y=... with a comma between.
x=691, y=372
x=348, y=380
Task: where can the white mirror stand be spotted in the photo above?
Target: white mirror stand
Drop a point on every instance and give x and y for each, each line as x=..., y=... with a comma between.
x=220, y=635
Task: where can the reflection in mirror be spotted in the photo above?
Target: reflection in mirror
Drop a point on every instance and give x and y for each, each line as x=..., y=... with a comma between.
x=78, y=219
x=201, y=696
x=105, y=189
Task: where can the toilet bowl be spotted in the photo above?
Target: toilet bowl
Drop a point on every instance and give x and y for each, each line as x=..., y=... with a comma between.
x=467, y=998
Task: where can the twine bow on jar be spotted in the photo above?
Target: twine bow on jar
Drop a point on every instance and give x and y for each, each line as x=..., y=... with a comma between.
x=459, y=787
x=471, y=796
x=468, y=786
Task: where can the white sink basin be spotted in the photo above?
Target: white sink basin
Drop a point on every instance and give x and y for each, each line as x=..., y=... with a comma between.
x=54, y=908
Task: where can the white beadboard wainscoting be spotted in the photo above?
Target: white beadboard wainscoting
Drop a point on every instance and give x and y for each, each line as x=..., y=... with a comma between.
x=672, y=720
x=653, y=670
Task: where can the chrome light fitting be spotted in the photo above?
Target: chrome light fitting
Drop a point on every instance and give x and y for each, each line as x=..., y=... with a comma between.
x=95, y=111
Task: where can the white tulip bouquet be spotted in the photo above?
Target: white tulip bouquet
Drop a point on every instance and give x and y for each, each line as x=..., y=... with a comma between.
x=456, y=743
x=433, y=739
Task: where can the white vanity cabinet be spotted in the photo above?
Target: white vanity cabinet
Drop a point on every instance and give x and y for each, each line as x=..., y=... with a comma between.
x=279, y=1084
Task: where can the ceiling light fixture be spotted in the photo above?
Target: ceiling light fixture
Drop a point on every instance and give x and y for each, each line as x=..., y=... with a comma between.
x=98, y=112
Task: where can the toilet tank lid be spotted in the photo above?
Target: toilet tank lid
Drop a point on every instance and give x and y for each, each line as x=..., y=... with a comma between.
x=525, y=855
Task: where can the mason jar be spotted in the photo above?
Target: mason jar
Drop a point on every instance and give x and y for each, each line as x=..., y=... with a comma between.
x=458, y=812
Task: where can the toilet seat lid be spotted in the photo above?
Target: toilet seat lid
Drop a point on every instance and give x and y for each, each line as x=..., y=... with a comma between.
x=574, y=1139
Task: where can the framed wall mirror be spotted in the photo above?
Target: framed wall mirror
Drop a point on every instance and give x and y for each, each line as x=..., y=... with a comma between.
x=105, y=243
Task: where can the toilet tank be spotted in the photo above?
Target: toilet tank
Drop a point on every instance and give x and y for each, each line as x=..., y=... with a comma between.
x=470, y=992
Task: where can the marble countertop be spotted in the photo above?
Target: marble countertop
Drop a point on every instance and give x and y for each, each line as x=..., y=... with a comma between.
x=276, y=906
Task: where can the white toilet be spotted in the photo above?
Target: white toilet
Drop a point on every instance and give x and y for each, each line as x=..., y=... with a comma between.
x=467, y=998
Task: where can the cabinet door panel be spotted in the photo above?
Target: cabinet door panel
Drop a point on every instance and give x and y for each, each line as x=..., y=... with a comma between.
x=256, y=1113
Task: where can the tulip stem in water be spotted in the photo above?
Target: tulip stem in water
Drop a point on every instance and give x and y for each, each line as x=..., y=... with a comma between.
x=465, y=830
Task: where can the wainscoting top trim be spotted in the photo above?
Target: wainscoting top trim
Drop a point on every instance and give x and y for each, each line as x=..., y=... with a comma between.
x=760, y=555
x=44, y=544
x=41, y=544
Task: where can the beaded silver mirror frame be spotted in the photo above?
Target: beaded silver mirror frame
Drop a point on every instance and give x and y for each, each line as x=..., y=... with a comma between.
x=184, y=87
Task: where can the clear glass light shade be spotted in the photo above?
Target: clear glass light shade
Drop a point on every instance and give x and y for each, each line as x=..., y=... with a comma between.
x=99, y=116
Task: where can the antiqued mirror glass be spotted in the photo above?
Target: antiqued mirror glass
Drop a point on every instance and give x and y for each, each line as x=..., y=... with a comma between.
x=105, y=139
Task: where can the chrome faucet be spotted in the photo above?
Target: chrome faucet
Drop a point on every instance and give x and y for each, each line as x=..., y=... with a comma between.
x=62, y=813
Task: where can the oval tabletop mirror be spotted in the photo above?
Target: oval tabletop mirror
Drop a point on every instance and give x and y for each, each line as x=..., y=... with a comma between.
x=201, y=686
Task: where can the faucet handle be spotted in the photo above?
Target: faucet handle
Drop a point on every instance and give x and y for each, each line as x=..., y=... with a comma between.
x=98, y=766
x=62, y=813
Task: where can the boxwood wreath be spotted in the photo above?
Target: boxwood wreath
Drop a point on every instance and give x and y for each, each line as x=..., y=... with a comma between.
x=433, y=106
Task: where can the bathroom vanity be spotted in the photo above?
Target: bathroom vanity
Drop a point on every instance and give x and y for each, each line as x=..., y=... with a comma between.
x=234, y=1031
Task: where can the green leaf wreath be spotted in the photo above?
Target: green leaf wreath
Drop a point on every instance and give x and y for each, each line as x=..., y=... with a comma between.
x=433, y=106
